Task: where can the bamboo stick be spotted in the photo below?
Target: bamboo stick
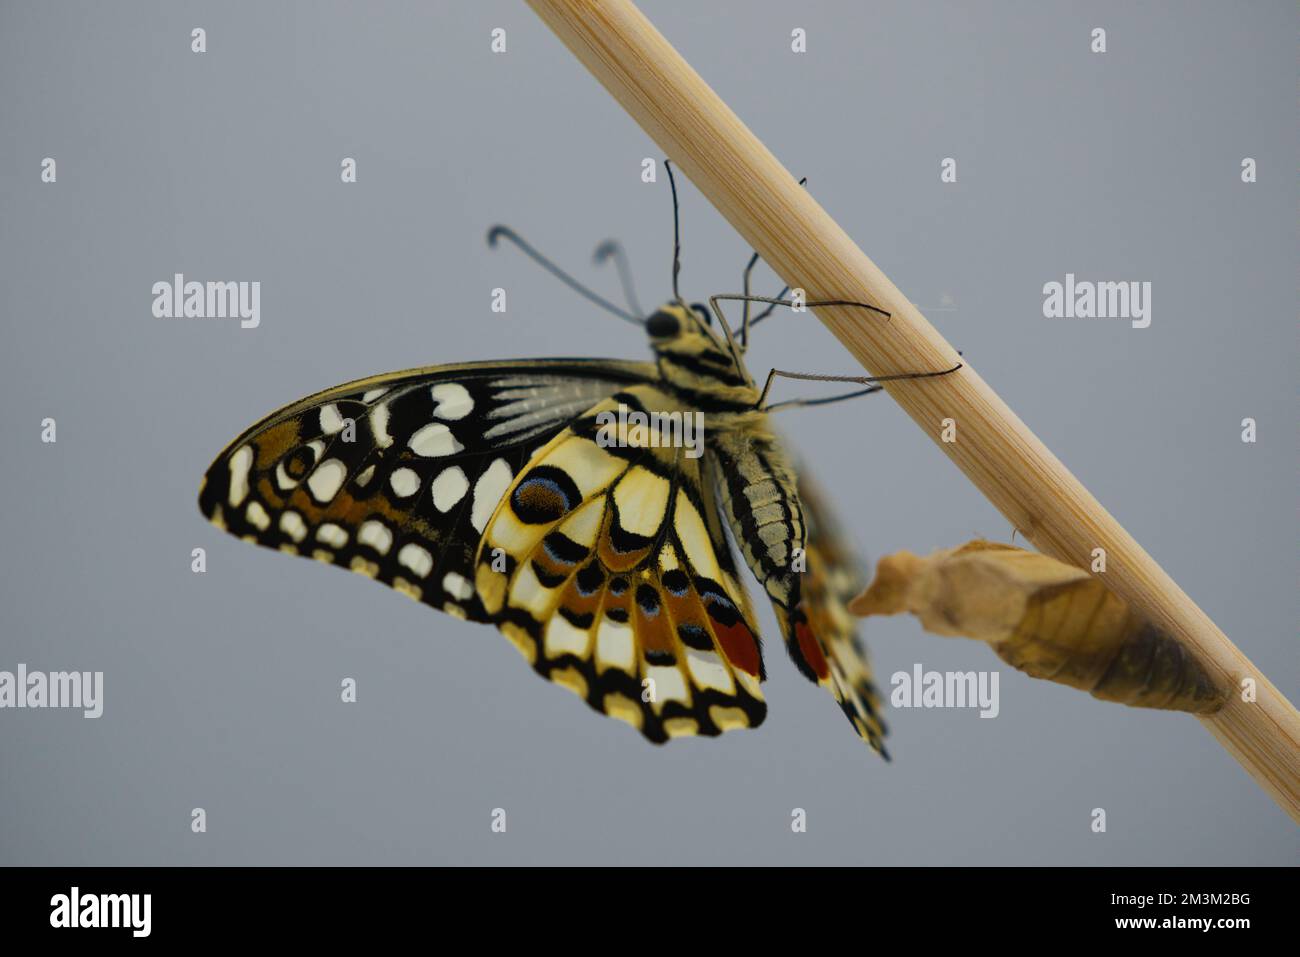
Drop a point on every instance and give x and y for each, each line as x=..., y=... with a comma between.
x=995, y=450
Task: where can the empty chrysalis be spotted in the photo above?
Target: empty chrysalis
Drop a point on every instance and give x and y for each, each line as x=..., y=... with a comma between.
x=1046, y=618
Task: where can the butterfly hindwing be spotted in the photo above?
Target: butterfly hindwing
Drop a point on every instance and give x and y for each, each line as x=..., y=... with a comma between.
x=395, y=476
x=788, y=538
x=822, y=637
x=607, y=566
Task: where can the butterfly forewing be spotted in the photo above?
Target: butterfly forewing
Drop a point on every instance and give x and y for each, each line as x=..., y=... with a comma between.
x=395, y=476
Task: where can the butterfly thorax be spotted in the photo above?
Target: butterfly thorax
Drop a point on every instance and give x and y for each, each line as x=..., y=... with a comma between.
x=756, y=482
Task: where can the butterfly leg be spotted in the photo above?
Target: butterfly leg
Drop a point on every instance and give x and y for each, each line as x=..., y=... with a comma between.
x=773, y=302
x=813, y=377
x=738, y=348
x=801, y=403
x=749, y=268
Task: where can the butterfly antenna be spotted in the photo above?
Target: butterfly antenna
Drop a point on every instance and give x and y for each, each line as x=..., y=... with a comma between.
x=613, y=249
x=677, y=231
x=499, y=232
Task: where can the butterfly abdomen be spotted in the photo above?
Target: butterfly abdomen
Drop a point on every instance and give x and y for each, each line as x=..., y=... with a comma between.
x=757, y=488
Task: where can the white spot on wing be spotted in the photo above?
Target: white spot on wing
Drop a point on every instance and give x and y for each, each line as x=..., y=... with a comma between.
x=291, y=524
x=452, y=401
x=488, y=490
x=332, y=534
x=405, y=482
x=376, y=535
x=449, y=488
x=434, y=440
x=240, y=463
x=417, y=559
x=379, y=426
x=326, y=481
x=283, y=478
x=330, y=420
x=257, y=516
x=457, y=586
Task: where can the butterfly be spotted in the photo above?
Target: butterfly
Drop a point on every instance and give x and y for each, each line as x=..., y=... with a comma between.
x=554, y=499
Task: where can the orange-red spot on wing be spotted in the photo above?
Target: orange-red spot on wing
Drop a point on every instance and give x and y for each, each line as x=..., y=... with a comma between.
x=811, y=650
x=739, y=645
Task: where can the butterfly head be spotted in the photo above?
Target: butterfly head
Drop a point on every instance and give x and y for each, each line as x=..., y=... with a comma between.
x=677, y=328
x=674, y=320
x=692, y=355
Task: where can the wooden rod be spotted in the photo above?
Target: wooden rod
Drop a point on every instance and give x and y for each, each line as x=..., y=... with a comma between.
x=995, y=450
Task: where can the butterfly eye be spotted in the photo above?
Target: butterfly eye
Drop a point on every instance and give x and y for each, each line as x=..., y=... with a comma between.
x=663, y=325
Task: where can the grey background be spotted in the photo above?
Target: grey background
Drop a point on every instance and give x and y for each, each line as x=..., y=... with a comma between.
x=222, y=690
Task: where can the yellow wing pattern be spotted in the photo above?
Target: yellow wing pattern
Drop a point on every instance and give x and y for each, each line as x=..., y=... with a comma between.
x=606, y=564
